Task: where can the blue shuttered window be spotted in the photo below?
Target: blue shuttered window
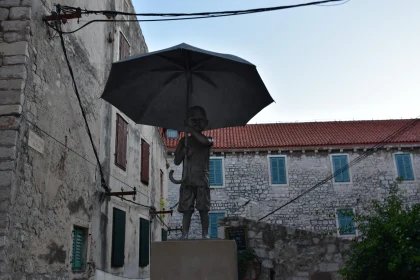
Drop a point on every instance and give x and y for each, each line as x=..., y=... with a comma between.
x=171, y=134
x=278, y=170
x=118, y=237
x=213, y=227
x=404, y=166
x=345, y=222
x=78, y=248
x=216, y=172
x=144, y=242
x=340, y=168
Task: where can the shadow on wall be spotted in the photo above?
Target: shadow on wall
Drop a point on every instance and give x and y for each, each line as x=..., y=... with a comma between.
x=288, y=253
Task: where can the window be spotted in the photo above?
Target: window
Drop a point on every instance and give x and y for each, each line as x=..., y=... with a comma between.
x=79, y=248
x=404, y=166
x=161, y=184
x=118, y=237
x=164, y=234
x=145, y=154
x=121, y=143
x=278, y=174
x=214, y=224
x=216, y=172
x=144, y=242
x=124, y=47
x=341, y=168
x=345, y=222
x=171, y=134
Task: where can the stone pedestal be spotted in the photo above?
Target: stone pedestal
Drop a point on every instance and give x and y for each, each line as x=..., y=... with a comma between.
x=199, y=259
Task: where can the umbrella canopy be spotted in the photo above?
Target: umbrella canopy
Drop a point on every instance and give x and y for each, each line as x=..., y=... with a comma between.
x=156, y=88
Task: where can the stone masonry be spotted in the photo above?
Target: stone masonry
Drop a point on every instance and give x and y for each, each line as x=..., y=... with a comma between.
x=49, y=178
x=248, y=193
x=292, y=254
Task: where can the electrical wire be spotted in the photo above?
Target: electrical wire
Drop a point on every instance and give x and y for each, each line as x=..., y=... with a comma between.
x=139, y=204
x=103, y=182
x=182, y=16
x=79, y=155
x=332, y=5
x=167, y=227
x=232, y=12
x=353, y=162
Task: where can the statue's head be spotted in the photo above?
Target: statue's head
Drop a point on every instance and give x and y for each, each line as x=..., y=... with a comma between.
x=197, y=118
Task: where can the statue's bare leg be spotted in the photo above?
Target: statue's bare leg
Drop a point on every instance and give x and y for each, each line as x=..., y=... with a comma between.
x=186, y=221
x=204, y=217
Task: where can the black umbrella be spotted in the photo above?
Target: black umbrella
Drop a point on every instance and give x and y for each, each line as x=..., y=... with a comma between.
x=157, y=88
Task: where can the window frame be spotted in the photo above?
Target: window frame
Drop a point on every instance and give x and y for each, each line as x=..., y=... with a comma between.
x=349, y=169
x=85, y=236
x=215, y=212
x=286, y=167
x=120, y=117
x=121, y=33
x=223, y=172
x=356, y=233
x=166, y=134
x=114, y=207
x=145, y=177
x=412, y=166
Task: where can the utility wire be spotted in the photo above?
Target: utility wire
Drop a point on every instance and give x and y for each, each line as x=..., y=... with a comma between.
x=103, y=182
x=79, y=155
x=232, y=12
x=371, y=150
x=139, y=204
x=179, y=16
x=167, y=227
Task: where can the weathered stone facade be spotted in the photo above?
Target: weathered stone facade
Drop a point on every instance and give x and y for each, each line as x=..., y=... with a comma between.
x=247, y=191
x=48, y=174
x=287, y=253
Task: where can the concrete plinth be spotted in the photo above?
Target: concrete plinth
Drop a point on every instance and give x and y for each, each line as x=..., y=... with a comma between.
x=194, y=260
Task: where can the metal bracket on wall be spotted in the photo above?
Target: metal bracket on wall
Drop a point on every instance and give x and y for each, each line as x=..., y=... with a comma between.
x=154, y=212
x=122, y=193
x=63, y=17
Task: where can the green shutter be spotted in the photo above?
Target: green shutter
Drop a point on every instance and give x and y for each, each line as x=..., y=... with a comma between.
x=164, y=234
x=214, y=220
x=278, y=170
x=345, y=222
x=78, y=249
x=341, y=168
x=144, y=242
x=118, y=238
x=216, y=172
x=404, y=166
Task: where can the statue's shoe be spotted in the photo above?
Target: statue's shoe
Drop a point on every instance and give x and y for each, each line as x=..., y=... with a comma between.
x=184, y=236
x=206, y=236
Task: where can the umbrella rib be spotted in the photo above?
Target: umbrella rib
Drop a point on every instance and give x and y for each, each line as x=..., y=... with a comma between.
x=174, y=63
x=201, y=63
x=206, y=79
x=154, y=96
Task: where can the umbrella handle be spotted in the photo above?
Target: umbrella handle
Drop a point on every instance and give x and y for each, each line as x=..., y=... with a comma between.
x=175, y=181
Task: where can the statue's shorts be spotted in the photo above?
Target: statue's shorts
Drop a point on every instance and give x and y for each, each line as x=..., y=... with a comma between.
x=190, y=194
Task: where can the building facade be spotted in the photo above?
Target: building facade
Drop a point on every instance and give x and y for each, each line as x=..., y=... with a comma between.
x=258, y=168
x=57, y=221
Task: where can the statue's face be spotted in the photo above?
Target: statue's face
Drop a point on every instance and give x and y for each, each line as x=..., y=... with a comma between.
x=197, y=120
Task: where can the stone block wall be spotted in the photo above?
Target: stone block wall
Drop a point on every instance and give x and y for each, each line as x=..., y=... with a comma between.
x=247, y=191
x=287, y=253
x=14, y=55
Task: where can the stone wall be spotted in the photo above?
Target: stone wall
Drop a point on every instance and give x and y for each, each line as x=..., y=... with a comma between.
x=48, y=175
x=292, y=254
x=248, y=193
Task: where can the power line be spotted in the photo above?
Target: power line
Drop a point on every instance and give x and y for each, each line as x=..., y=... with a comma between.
x=178, y=16
x=103, y=182
x=346, y=167
x=139, y=204
x=79, y=155
x=332, y=5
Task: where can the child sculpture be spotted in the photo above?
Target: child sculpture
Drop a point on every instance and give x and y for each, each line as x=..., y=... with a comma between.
x=196, y=187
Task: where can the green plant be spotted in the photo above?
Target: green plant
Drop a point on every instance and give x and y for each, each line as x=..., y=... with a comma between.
x=245, y=259
x=162, y=207
x=388, y=245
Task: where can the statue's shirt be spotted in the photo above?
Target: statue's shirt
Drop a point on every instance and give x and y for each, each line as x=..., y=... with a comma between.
x=197, y=167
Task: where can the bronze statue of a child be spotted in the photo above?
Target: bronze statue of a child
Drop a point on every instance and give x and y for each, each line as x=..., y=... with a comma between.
x=196, y=187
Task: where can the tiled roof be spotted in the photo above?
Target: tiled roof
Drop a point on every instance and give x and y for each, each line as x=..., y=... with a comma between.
x=309, y=134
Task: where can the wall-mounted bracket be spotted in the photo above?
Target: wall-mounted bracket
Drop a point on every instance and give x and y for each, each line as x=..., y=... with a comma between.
x=123, y=193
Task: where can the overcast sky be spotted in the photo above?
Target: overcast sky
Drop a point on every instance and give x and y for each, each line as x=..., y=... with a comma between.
x=359, y=60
